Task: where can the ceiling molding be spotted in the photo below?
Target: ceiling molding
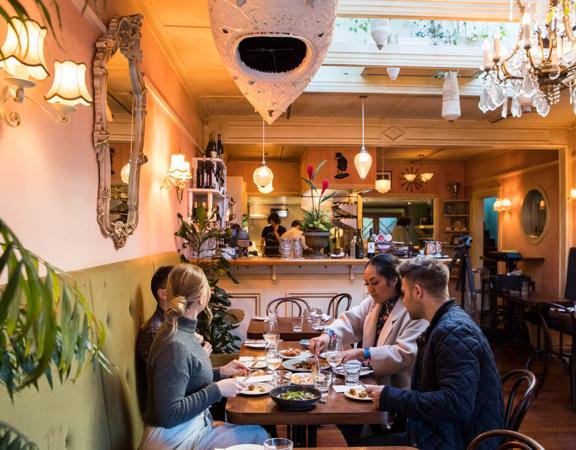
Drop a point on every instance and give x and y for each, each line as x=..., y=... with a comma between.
x=477, y=10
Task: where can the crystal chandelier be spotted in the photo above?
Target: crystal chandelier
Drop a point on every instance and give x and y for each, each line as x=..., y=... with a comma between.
x=541, y=64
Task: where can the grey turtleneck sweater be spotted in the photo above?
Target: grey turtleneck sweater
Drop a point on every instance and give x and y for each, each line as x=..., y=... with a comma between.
x=180, y=377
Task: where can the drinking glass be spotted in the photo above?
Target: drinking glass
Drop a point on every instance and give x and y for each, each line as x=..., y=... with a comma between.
x=316, y=318
x=306, y=315
x=282, y=378
x=273, y=359
x=271, y=336
x=278, y=444
x=334, y=352
x=352, y=372
x=297, y=323
x=322, y=382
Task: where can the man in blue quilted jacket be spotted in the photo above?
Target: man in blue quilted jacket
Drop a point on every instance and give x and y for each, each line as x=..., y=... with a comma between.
x=456, y=389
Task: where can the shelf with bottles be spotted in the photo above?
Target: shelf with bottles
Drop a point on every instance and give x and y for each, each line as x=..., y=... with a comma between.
x=210, y=175
x=212, y=200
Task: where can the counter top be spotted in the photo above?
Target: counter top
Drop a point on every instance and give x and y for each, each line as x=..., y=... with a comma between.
x=277, y=261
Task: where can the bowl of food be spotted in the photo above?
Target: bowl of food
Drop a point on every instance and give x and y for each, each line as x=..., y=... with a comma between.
x=295, y=398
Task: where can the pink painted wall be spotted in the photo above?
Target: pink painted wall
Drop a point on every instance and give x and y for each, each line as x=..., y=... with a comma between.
x=495, y=172
x=49, y=172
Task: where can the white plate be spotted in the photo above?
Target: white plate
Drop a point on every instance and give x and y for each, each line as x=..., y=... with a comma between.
x=267, y=388
x=255, y=343
x=364, y=371
x=352, y=397
x=244, y=447
x=254, y=363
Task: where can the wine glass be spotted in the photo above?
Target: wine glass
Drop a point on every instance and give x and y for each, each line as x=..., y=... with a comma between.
x=273, y=359
x=271, y=336
x=334, y=353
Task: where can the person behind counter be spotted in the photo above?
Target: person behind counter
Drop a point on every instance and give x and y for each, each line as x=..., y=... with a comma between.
x=270, y=242
x=400, y=231
x=295, y=232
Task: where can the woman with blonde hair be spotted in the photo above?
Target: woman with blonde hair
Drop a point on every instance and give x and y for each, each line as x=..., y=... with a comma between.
x=182, y=383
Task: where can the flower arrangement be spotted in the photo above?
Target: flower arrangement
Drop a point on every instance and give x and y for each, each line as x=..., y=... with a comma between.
x=317, y=219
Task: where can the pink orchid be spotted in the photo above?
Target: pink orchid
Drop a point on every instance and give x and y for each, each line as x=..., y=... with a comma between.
x=324, y=187
x=310, y=171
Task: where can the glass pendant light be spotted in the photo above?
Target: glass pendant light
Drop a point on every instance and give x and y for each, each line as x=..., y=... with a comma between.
x=383, y=182
x=363, y=160
x=263, y=175
x=266, y=189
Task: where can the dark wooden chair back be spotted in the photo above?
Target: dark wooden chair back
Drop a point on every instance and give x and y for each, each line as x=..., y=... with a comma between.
x=516, y=406
x=570, y=289
x=298, y=302
x=509, y=440
x=336, y=301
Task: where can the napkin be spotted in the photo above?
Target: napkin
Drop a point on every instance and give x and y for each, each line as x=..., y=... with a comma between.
x=258, y=379
x=340, y=388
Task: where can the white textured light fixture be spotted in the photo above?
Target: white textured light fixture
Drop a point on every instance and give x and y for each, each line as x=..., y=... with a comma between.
x=266, y=189
x=572, y=194
x=69, y=86
x=272, y=48
x=451, y=97
x=380, y=30
x=263, y=175
x=383, y=185
x=383, y=182
x=178, y=174
x=393, y=73
x=125, y=173
x=425, y=177
x=363, y=160
x=502, y=205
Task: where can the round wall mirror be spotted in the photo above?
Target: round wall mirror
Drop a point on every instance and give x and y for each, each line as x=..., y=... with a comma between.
x=534, y=215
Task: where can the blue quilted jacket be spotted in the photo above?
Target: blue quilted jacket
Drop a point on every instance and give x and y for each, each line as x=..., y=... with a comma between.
x=456, y=389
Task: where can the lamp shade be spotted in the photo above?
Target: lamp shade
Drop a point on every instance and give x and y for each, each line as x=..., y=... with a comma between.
x=363, y=162
x=383, y=185
x=263, y=176
x=410, y=177
x=69, y=86
x=266, y=189
x=451, y=97
x=497, y=204
x=179, y=168
x=380, y=30
x=572, y=194
x=506, y=205
x=22, y=54
x=125, y=173
x=426, y=176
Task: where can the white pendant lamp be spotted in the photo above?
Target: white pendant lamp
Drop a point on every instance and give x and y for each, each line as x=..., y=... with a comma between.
x=451, y=97
x=266, y=189
x=263, y=175
x=383, y=185
x=363, y=160
x=380, y=30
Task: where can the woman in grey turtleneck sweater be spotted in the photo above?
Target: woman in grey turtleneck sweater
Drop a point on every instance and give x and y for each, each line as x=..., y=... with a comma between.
x=182, y=383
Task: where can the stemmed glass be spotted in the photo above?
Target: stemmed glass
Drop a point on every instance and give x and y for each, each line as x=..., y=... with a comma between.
x=334, y=353
x=271, y=336
x=273, y=359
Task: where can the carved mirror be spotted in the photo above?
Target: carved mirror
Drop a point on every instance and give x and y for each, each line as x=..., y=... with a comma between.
x=534, y=215
x=120, y=107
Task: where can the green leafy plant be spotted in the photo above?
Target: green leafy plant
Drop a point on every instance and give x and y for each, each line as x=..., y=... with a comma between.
x=317, y=219
x=10, y=439
x=46, y=323
x=201, y=238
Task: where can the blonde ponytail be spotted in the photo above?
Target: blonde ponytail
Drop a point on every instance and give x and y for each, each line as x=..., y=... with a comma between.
x=186, y=285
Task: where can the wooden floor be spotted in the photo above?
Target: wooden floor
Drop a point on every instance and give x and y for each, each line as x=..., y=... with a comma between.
x=549, y=420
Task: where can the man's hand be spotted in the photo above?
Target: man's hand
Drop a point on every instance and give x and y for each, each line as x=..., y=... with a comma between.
x=354, y=353
x=207, y=346
x=319, y=344
x=375, y=391
x=233, y=369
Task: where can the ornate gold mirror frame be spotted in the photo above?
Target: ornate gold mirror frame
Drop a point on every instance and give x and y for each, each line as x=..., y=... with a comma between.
x=123, y=35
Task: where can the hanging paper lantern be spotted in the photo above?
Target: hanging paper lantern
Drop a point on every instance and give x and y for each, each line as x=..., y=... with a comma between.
x=451, y=97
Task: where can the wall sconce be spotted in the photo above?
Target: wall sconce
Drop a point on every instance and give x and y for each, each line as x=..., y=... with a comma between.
x=178, y=174
x=502, y=205
x=572, y=194
x=22, y=58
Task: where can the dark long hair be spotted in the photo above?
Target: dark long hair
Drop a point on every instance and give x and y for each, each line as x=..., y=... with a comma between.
x=386, y=266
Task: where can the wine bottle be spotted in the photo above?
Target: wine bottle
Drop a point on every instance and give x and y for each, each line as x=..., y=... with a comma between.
x=353, y=247
x=359, y=245
x=220, y=147
x=371, y=245
x=211, y=149
x=200, y=174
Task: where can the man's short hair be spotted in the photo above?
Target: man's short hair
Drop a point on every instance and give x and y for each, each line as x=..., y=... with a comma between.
x=274, y=218
x=159, y=280
x=431, y=274
x=296, y=223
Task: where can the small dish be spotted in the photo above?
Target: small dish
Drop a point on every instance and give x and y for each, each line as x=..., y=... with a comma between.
x=289, y=353
x=355, y=394
x=255, y=343
x=254, y=389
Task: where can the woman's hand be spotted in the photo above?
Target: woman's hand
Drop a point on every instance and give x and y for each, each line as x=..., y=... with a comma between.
x=230, y=387
x=233, y=369
x=319, y=344
x=354, y=353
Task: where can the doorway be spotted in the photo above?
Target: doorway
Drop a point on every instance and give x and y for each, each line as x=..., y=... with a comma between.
x=490, y=235
x=485, y=227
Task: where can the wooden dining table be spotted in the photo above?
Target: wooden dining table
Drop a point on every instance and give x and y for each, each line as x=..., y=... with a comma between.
x=302, y=425
x=393, y=447
x=257, y=328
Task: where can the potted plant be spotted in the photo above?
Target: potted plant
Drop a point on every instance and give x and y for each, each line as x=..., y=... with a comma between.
x=316, y=221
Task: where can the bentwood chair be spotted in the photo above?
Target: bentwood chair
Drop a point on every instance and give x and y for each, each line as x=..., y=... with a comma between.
x=516, y=408
x=561, y=317
x=509, y=440
x=336, y=302
x=296, y=302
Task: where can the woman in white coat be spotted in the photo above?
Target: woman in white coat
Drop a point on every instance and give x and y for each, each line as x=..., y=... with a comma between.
x=381, y=326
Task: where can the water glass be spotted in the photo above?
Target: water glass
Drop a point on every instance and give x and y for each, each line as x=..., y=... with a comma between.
x=352, y=372
x=525, y=288
x=316, y=318
x=278, y=444
x=273, y=359
x=281, y=378
x=297, y=323
x=323, y=381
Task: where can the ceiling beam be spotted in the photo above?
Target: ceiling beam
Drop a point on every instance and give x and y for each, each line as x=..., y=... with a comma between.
x=477, y=10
